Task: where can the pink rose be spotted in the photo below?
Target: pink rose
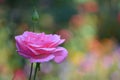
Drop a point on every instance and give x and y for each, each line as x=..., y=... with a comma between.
x=40, y=47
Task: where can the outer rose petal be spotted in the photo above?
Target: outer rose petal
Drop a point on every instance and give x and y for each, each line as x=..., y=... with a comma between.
x=23, y=54
x=42, y=59
x=55, y=44
x=61, y=41
x=60, y=54
x=22, y=49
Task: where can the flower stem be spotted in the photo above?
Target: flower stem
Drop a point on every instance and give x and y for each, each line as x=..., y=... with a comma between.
x=37, y=67
x=31, y=71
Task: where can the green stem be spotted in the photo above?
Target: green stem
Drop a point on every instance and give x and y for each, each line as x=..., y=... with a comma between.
x=37, y=67
x=31, y=71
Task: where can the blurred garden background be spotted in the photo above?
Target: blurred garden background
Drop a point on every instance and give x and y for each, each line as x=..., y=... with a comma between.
x=91, y=29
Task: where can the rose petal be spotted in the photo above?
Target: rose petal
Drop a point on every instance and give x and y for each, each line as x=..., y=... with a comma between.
x=37, y=50
x=60, y=54
x=41, y=58
x=61, y=41
x=22, y=49
x=23, y=54
x=55, y=44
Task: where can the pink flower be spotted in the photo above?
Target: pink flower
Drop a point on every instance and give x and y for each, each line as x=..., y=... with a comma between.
x=40, y=47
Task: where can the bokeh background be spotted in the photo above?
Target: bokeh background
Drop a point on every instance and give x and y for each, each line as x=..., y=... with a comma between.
x=91, y=29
